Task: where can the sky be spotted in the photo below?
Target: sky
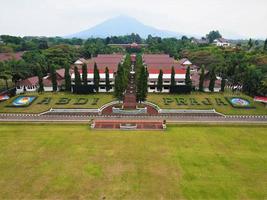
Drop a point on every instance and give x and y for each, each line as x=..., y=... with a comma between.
x=233, y=18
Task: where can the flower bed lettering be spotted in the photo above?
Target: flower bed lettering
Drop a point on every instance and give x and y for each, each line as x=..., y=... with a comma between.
x=194, y=102
x=207, y=102
x=95, y=101
x=63, y=101
x=220, y=102
x=81, y=101
x=45, y=101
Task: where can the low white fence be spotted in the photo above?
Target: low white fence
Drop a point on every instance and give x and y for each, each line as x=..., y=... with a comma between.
x=108, y=104
x=170, y=111
x=129, y=112
x=73, y=110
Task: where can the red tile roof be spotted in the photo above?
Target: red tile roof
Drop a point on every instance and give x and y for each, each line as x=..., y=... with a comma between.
x=133, y=57
x=111, y=61
x=10, y=56
x=48, y=82
x=166, y=71
x=160, y=60
x=101, y=71
x=29, y=81
x=61, y=72
x=260, y=99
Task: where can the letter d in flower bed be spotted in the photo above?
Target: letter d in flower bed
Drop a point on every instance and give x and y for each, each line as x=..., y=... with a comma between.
x=63, y=101
x=81, y=101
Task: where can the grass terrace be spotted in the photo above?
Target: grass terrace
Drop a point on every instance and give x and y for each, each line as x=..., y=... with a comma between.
x=57, y=100
x=55, y=161
x=197, y=100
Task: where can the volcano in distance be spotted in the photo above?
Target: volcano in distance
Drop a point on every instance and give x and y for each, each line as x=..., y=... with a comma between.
x=122, y=25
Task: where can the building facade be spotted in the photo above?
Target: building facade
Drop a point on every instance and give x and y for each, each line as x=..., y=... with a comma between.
x=103, y=61
x=156, y=62
x=221, y=42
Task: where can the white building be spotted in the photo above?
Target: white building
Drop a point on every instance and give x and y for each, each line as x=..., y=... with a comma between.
x=156, y=62
x=102, y=82
x=221, y=42
x=103, y=61
x=31, y=84
x=166, y=79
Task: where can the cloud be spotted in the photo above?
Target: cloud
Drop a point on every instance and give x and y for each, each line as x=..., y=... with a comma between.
x=62, y=17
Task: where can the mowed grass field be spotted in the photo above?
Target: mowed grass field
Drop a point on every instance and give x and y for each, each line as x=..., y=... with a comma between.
x=227, y=109
x=55, y=161
x=93, y=101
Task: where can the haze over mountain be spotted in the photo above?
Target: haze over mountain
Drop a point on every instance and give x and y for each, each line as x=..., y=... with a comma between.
x=123, y=25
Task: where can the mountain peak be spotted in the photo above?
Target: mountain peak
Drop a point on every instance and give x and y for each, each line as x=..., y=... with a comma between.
x=122, y=25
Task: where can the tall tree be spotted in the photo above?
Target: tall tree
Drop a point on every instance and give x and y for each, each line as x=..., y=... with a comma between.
x=173, y=83
x=84, y=74
x=67, y=78
x=142, y=84
x=53, y=77
x=265, y=45
x=201, y=79
x=188, y=80
x=212, y=35
x=42, y=44
x=253, y=78
x=119, y=88
x=223, y=81
x=40, y=79
x=107, y=79
x=96, y=78
x=126, y=67
x=250, y=44
x=77, y=79
x=160, y=81
x=212, y=80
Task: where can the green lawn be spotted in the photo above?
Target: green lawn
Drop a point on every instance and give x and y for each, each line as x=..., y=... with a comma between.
x=199, y=97
x=35, y=107
x=55, y=161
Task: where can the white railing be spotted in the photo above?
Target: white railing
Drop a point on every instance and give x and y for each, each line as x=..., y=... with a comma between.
x=108, y=104
x=169, y=111
x=128, y=126
x=129, y=112
x=73, y=110
x=153, y=105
